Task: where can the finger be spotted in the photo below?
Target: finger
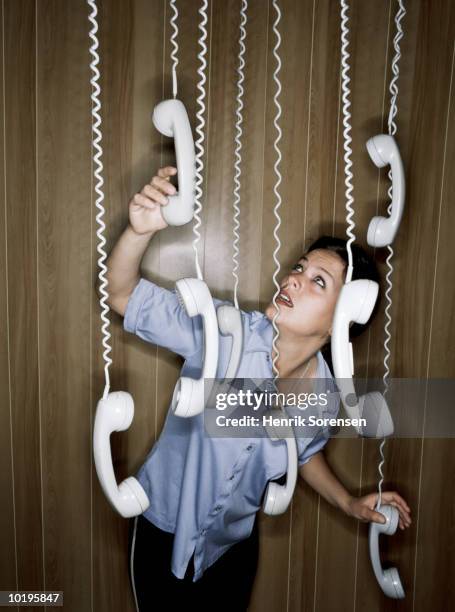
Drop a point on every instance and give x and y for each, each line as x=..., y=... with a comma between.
x=154, y=194
x=162, y=185
x=403, y=513
x=167, y=171
x=142, y=200
x=377, y=517
x=393, y=495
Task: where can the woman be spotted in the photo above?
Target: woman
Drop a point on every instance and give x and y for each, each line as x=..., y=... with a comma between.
x=197, y=543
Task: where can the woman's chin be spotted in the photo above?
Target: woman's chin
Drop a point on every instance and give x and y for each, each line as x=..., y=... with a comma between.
x=270, y=312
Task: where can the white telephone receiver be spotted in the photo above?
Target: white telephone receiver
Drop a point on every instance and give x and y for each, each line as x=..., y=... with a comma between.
x=383, y=150
x=278, y=497
x=115, y=413
x=188, y=397
x=389, y=579
x=230, y=324
x=355, y=303
x=171, y=119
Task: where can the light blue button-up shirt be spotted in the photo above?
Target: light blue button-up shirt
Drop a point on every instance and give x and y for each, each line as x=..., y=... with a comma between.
x=205, y=489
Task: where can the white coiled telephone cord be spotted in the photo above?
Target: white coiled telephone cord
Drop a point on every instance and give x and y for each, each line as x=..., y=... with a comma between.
x=238, y=148
x=96, y=144
x=393, y=89
x=199, y=144
x=175, y=47
x=277, y=184
x=347, y=138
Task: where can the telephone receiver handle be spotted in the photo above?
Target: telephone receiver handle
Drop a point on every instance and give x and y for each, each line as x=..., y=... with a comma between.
x=115, y=413
x=278, y=497
x=383, y=150
x=230, y=324
x=191, y=394
x=389, y=579
x=355, y=303
x=171, y=119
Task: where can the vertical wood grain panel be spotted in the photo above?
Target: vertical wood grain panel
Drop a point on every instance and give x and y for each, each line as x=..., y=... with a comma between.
x=295, y=52
x=51, y=366
x=110, y=530
x=320, y=172
x=64, y=283
x=21, y=211
x=8, y=558
x=218, y=229
x=436, y=505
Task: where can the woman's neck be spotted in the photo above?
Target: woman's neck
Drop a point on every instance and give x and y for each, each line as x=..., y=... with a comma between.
x=296, y=358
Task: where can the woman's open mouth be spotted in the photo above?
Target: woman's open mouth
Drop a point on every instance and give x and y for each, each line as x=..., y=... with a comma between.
x=283, y=298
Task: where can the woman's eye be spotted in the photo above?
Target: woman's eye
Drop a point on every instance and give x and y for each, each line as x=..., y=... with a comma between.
x=298, y=268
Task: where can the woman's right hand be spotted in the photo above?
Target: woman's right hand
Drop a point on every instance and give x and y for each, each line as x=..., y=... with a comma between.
x=145, y=207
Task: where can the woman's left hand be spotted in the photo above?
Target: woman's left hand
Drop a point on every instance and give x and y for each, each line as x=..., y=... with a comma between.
x=363, y=508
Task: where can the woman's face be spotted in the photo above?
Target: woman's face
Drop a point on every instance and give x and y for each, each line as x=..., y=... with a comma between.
x=312, y=286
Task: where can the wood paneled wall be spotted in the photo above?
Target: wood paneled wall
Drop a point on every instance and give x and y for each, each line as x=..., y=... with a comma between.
x=56, y=529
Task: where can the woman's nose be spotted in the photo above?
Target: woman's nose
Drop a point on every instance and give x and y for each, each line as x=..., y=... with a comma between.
x=293, y=282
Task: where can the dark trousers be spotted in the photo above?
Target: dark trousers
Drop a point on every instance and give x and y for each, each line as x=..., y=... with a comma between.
x=225, y=585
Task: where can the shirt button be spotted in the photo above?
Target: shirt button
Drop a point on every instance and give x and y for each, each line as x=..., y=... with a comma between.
x=231, y=477
x=218, y=508
x=204, y=531
x=249, y=447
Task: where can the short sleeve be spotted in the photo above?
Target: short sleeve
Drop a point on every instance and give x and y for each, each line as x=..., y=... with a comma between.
x=316, y=444
x=155, y=314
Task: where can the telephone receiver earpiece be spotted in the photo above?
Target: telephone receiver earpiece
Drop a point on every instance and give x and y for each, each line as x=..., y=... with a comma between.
x=355, y=304
x=230, y=324
x=278, y=497
x=384, y=151
x=171, y=119
x=389, y=579
x=188, y=397
x=115, y=413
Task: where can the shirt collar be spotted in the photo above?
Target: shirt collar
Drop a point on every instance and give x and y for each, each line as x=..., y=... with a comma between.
x=260, y=335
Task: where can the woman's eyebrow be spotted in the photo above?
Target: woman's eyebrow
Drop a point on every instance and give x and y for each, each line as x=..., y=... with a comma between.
x=319, y=267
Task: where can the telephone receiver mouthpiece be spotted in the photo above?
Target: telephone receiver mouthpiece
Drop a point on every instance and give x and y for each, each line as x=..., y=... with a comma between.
x=278, y=497
x=115, y=413
x=389, y=579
